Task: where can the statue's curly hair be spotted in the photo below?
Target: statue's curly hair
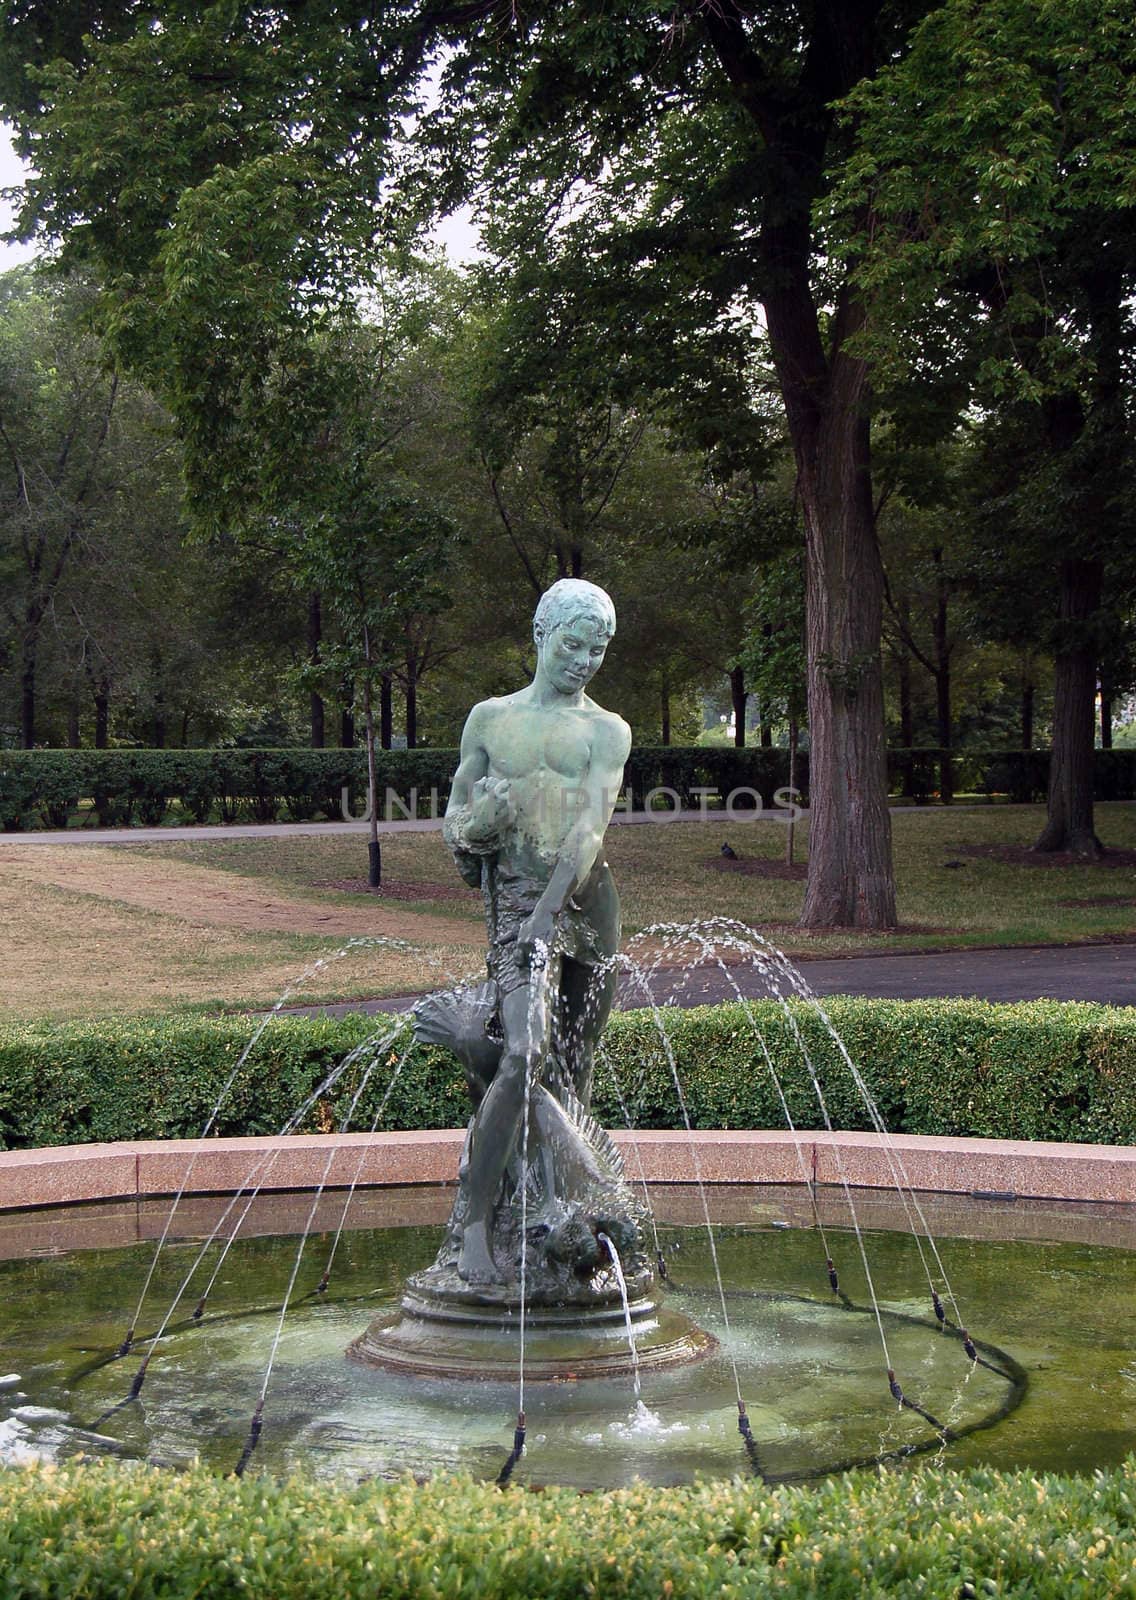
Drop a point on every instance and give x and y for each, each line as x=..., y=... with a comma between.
x=570, y=598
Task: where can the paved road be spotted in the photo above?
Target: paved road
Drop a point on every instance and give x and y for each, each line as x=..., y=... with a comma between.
x=1103, y=973
x=734, y=824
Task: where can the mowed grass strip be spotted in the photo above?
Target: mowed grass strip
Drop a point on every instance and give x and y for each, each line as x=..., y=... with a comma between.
x=231, y=922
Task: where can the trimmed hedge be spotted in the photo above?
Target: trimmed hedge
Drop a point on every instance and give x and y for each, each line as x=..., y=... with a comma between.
x=1042, y=1070
x=43, y=788
x=1022, y=775
x=107, y=1530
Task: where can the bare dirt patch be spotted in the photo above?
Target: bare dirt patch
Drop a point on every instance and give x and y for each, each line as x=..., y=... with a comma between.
x=91, y=930
x=205, y=897
x=759, y=867
x=401, y=891
x=1020, y=855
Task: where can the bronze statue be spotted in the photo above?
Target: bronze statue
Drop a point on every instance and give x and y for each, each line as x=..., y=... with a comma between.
x=532, y=797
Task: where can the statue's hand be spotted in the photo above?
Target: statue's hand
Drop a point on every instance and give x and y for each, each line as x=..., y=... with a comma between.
x=534, y=939
x=491, y=812
x=469, y=866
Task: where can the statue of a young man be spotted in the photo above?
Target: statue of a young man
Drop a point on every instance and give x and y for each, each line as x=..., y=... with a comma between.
x=539, y=776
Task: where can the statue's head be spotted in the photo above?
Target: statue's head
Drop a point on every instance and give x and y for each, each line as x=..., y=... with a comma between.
x=573, y=624
x=572, y=600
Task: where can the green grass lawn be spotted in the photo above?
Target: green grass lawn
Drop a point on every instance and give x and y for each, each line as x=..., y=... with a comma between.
x=229, y=921
x=671, y=872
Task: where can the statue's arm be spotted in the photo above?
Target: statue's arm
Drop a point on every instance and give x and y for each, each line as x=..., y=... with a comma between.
x=611, y=745
x=478, y=808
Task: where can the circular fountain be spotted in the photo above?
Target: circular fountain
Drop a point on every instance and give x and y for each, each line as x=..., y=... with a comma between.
x=809, y=1368
x=473, y=1335
x=544, y=1274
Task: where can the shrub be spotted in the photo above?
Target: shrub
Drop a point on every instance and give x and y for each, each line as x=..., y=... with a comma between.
x=1043, y=1070
x=43, y=788
x=107, y=1530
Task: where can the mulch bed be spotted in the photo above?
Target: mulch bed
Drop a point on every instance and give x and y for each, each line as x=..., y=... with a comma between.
x=759, y=867
x=401, y=891
x=1094, y=901
x=1020, y=855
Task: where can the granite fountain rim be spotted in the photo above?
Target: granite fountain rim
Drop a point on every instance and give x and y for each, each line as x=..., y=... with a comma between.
x=984, y=1168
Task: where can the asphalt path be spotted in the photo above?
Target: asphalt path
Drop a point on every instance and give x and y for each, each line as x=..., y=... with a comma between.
x=219, y=832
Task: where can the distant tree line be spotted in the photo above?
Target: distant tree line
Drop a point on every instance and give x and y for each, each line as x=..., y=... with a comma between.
x=807, y=331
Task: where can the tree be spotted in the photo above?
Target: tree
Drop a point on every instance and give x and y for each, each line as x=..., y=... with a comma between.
x=377, y=554
x=99, y=607
x=56, y=408
x=265, y=170
x=998, y=164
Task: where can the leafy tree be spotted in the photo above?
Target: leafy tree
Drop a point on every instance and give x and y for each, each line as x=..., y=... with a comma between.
x=253, y=196
x=376, y=554
x=99, y=607
x=998, y=165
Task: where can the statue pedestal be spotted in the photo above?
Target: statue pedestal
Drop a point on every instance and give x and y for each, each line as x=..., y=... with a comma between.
x=451, y=1329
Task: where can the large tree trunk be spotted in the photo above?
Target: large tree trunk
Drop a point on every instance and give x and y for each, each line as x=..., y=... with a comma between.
x=944, y=730
x=315, y=638
x=102, y=713
x=850, y=882
x=826, y=395
x=1069, y=823
x=738, y=698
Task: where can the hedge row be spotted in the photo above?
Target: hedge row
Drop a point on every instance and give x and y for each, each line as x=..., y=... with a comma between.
x=1022, y=775
x=44, y=788
x=107, y=1530
x=1042, y=1070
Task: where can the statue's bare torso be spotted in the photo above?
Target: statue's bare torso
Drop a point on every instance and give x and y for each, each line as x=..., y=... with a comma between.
x=546, y=756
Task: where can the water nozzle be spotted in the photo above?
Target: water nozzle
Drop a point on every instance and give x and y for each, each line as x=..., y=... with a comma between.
x=515, y=1454
x=255, y=1427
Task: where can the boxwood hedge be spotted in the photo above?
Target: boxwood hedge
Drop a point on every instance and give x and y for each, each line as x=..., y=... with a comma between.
x=1042, y=1070
x=44, y=788
x=108, y=1530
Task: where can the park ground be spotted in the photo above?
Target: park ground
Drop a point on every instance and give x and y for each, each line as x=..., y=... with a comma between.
x=233, y=922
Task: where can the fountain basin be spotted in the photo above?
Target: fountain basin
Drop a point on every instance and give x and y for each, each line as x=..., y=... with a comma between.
x=811, y=1369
